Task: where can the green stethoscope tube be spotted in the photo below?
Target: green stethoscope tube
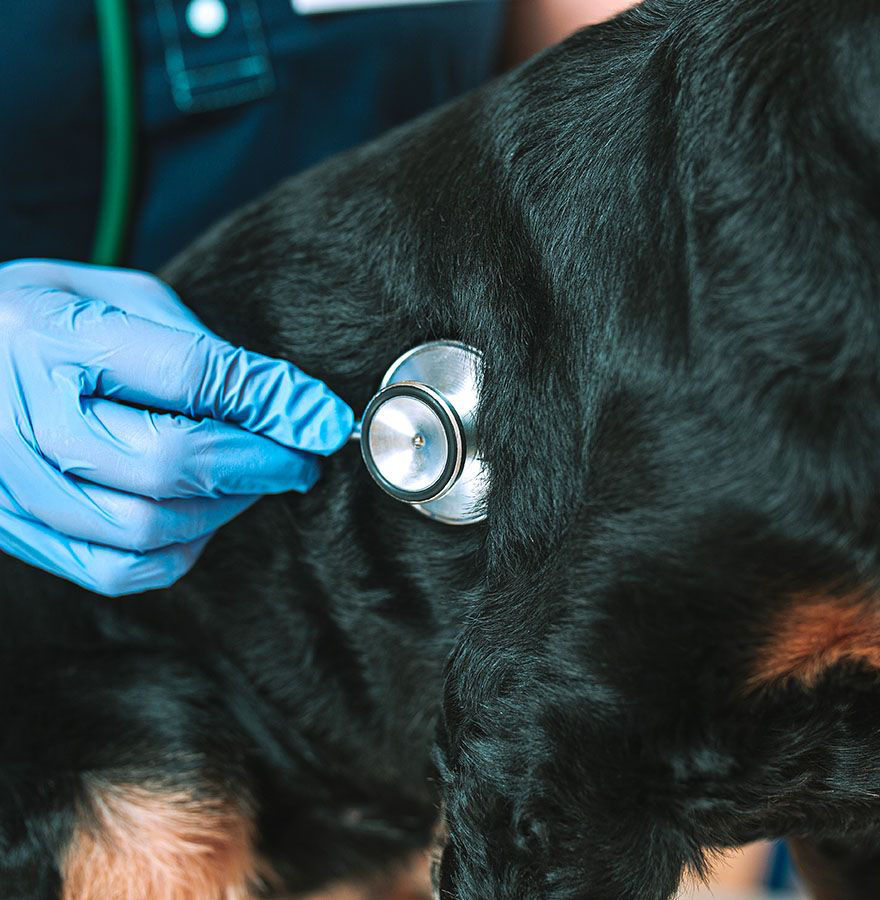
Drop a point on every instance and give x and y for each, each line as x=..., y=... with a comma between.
x=120, y=131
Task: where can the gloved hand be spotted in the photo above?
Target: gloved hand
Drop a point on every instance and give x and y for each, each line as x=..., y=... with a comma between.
x=117, y=498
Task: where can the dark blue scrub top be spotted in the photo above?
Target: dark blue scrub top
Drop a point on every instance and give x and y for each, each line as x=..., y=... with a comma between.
x=221, y=118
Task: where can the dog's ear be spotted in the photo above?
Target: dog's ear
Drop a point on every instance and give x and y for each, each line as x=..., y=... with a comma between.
x=475, y=757
x=543, y=791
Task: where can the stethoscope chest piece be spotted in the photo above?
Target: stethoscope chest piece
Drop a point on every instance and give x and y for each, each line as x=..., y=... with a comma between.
x=418, y=437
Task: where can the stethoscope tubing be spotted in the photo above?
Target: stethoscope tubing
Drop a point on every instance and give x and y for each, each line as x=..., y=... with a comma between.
x=120, y=131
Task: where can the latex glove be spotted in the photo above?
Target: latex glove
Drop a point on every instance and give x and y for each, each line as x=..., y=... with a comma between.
x=114, y=497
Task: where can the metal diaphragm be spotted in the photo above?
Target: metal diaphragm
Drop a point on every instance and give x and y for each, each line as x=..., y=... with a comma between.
x=417, y=434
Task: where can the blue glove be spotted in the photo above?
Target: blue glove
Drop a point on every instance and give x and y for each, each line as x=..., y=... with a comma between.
x=117, y=498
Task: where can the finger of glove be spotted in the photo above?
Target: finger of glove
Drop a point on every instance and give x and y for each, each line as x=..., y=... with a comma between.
x=135, y=293
x=90, y=512
x=165, y=456
x=103, y=570
x=143, y=362
x=86, y=512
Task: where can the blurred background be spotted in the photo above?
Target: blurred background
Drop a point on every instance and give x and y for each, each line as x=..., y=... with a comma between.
x=756, y=872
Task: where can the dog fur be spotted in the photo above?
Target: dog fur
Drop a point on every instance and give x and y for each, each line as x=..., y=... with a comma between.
x=664, y=235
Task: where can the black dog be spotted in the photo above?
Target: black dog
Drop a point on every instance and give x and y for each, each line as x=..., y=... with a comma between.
x=665, y=237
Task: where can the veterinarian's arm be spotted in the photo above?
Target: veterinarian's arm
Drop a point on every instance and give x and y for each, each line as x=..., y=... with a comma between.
x=541, y=23
x=98, y=487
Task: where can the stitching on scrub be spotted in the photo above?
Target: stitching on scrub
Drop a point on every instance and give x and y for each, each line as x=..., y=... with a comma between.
x=246, y=67
x=253, y=23
x=232, y=96
x=184, y=81
x=174, y=64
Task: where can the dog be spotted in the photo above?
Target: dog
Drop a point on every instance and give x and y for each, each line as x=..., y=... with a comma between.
x=664, y=640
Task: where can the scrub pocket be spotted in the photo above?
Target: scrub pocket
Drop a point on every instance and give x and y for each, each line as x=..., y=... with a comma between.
x=205, y=70
x=237, y=94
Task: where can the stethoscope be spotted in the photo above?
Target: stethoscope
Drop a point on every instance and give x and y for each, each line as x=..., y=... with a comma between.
x=417, y=434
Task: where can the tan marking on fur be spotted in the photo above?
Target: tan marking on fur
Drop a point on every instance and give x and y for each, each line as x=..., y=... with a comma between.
x=410, y=882
x=134, y=843
x=814, y=634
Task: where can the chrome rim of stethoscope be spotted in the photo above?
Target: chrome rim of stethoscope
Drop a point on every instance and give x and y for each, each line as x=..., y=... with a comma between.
x=417, y=435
